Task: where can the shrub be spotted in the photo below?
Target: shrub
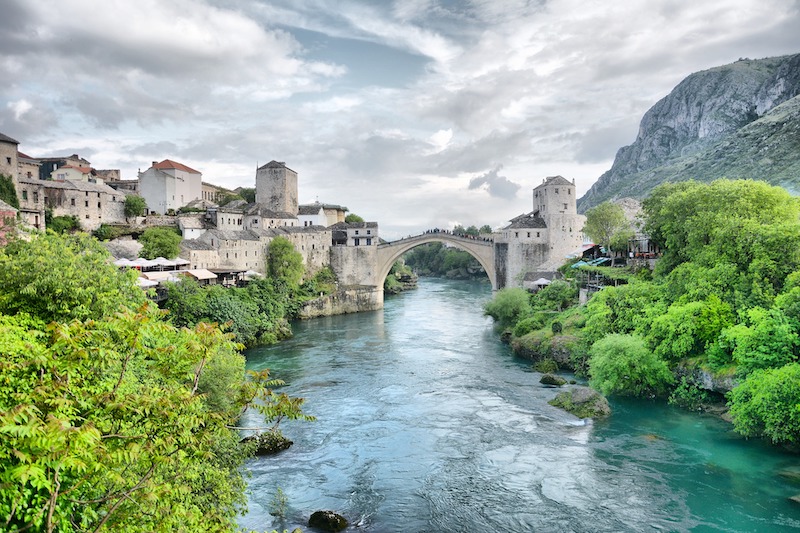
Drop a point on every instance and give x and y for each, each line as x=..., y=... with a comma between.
x=622, y=364
x=508, y=306
x=546, y=366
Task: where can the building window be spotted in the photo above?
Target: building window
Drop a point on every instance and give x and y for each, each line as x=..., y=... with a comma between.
x=556, y=190
x=87, y=215
x=8, y=160
x=25, y=195
x=87, y=203
x=72, y=202
x=369, y=242
x=529, y=234
x=565, y=206
x=537, y=233
x=35, y=196
x=98, y=195
x=356, y=232
x=98, y=205
x=516, y=234
x=569, y=191
x=113, y=198
x=357, y=242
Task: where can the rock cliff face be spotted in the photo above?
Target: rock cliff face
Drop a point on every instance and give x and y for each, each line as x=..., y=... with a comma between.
x=699, y=129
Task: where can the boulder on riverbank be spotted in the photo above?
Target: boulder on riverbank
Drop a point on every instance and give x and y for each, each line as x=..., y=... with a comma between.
x=552, y=379
x=327, y=521
x=268, y=443
x=583, y=402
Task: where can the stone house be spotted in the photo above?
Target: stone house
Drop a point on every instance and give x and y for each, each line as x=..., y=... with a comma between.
x=312, y=215
x=48, y=164
x=355, y=233
x=169, y=185
x=8, y=157
x=27, y=166
x=72, y=173
x=542, y=239
x=91, y=203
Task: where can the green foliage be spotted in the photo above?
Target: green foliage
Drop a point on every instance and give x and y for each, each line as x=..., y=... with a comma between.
x=135, y=206
x=8, y=193
x=254, y=315
x=64, y=277
x=688, y=395
x=546, y=366
x=604, y=222
x=160, y=242
x=767, y=339
x=486, y=228
x=323, y=282
x=685, y=331
x=436, y=259
x=556, y=327
x=508, y=306
x=767, y=404
x=530, y=323
x=228, y=198
x=62, y=223
x=352, y=217
x=555, y=297
x=112, y=419
x=248, y=194
x=284, y=262
x=106, y=232
x=622, y=364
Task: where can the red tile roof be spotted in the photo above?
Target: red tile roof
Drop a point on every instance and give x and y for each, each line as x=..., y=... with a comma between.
x=168, y=163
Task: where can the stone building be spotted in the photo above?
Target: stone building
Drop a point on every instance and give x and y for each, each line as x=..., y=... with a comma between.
x=8, y=157
x=8, y=217
x=169, y=185
x=48, y=164
x=91, y=203
x=540, y=240
x=276, y=188
x=355, y=233
x=28, y=167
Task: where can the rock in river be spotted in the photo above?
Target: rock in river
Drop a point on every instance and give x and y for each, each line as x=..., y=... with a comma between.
x=327, y=521
x=583, y=402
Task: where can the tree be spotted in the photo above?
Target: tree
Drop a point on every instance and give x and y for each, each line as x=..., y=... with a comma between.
x=8, y=193
x=622, y=364
x=160, y=242
x=508, y=306
x=284, y=262
x=248, y=194
x=486, y=228
x=64, y=277
x=352, y=217
x=603, y=222
x=767, y=404
x=135, y=206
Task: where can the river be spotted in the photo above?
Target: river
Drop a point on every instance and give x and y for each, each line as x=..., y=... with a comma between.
x=427, y=423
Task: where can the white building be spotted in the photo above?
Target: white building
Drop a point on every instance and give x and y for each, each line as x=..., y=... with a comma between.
x=169, y=185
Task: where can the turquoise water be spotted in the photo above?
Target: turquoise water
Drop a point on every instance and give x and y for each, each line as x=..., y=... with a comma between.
x=426, y=422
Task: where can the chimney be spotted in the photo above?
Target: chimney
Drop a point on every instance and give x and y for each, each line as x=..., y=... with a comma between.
x=154, y=163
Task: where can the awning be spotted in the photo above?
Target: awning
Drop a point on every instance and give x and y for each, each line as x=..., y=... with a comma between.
x=200, y=274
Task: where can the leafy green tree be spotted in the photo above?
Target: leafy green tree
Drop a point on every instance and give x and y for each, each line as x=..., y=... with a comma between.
x=61, y=224
x=64, y=277
x=766, y=340
x=352, y=217
x=160, y=242
x=486, y=228
x=622, y=364
x=8, y=193
x=555, y=297
x=284, y=262
x=248, y=194
x=687, y=330
x=135, y=206
x=508, y=306
x=767, y=404
x=604, y=221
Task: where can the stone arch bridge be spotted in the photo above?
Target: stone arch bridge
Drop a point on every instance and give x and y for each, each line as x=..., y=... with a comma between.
x=480, y=249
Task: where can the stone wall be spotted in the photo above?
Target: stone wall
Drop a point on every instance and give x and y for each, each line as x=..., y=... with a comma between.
x=356, y=265
x=349, y=300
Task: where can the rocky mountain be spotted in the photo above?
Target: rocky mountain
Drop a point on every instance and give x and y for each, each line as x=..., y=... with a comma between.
x=736, y=121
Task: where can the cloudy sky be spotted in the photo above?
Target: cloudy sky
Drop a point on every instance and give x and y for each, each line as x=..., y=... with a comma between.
x=414, y=113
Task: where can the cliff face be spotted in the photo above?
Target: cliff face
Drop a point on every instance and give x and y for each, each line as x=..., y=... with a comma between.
x=684, y=135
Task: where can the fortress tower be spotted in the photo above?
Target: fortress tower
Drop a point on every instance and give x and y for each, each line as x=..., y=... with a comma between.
x=276, y=188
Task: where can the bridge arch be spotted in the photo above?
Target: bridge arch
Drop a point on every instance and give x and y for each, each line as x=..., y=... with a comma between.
x=482, y=251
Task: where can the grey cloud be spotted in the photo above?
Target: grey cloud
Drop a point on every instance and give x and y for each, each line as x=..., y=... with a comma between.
x=600, y=144
x=476, y=155
x=497, y=186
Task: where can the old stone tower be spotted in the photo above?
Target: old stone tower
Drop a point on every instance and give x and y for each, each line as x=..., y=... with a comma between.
x=539, y=241
x=276, y=188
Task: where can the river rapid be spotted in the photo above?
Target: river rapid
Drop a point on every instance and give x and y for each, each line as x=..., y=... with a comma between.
x=426, y=422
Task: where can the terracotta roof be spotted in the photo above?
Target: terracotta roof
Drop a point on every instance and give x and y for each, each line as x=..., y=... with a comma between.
x=20, y=155
x=7, y=139
x=84, y=170
x=168, y=163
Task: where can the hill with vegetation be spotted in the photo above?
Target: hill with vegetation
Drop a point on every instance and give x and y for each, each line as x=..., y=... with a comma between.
x=737, y=121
